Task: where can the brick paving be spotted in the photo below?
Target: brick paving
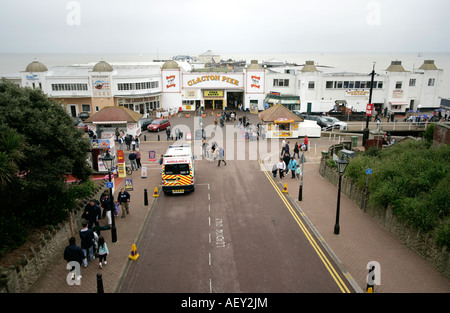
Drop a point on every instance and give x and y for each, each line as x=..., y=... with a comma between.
x=360, y=241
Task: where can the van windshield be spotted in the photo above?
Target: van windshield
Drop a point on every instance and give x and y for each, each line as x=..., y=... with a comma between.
x=176, y=169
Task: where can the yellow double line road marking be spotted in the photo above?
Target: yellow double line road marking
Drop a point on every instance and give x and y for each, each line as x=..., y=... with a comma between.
x=308, y=235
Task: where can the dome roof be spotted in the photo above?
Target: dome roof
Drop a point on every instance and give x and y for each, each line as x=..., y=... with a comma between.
x=170, y=65
x=102, y=66
x=254, y=65
x=309, y=67
x=36, y=66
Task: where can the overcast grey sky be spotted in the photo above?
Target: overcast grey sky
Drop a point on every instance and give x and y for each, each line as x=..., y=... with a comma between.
x=242, y=26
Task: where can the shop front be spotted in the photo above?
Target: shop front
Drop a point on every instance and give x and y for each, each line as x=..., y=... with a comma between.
x=213, y=91
x=143, y=105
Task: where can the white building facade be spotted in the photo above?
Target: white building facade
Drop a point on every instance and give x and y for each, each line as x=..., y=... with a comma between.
x=145, y=87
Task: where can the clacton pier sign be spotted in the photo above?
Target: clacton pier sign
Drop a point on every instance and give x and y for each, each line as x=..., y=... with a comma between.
x=213, y=80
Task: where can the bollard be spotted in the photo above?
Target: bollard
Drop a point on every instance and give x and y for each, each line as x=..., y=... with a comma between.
x=145, y=197
x=145, y=137
x=158, y=137
x=99, y=283
x=300, y=192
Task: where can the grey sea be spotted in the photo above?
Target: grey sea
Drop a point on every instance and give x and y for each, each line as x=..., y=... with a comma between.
x=351, y=62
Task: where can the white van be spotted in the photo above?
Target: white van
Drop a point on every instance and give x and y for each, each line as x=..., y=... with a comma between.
x=178, y=169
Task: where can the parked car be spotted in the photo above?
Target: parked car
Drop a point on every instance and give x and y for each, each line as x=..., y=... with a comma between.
x=322, y=122
x=336, y=123
x=82, y=126
x=77, y=120
x=145, y=122
x=158, y=125
x=84, y=115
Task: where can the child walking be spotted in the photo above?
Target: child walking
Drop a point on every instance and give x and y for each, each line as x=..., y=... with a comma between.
x=102, y=251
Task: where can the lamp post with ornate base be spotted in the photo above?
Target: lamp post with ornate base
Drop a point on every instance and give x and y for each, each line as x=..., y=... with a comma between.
x=341, y=166
x=108, y=161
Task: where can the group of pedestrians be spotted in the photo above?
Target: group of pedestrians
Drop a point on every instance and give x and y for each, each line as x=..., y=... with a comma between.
x=213, y=151
x=92, y=243
x=289, y=163
x=131, y=142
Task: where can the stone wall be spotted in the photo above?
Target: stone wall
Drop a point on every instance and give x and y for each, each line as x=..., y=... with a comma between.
x=27, y=271
x=421, y=243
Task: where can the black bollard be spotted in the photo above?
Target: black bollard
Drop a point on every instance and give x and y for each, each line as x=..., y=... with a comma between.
x=145, y=137
x=99, y=283
x=300, y=192
x=145, y=197
x=158, y=137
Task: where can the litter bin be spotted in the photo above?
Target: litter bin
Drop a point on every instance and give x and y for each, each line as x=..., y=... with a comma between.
x=354, y=141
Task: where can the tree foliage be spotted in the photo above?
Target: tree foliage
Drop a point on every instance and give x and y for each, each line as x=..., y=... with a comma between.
x=39, y=146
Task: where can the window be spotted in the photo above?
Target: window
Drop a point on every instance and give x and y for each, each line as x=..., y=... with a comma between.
x=380, y=85
x=412, y=82
x=363, y=84
x=329, y=85
x=357, y=84
x=345, y=85
x=351, y=85
x=281, y=82
x=311, y=85
x=398, y=85
x=69, y=87
x=339, y=85
x=137, y=86
x=86, y=108
x=431, y=82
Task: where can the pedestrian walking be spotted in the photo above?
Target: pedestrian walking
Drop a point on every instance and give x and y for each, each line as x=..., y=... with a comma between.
x=87, y=236
x=281, y=167
x=283, y=143
x=274, y=170
x=74, y=253
x=287, y=149
x=132, y=158
x=124, y=201
x=220, y=156
x=106, y=201
x=128, y=141
x=120, y=142
x=138, y=158
x=205, y=149
x=102, y=251
x=213, y=151
x=133, y=143
x=292, y=166
x=286, y=160
x=92, y=213
x=296, y=150
x=298, y=171
x=168, y=132
x=306, y=142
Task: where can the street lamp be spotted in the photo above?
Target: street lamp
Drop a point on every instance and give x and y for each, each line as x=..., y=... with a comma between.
x=341, y=166
x=108, y=161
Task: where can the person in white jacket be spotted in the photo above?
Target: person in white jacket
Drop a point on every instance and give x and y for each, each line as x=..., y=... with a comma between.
x=281, y=168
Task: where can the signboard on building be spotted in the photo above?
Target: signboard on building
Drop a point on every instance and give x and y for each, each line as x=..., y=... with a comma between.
x=213, y=80
x=356, y=93
x=255, y=81
x=213, y=94
x=369, y=109
x=101, y=86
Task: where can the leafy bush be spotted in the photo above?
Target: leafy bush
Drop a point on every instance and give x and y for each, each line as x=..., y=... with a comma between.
x=413, y=177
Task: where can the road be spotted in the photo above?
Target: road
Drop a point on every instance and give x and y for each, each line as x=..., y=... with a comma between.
x=237, y=233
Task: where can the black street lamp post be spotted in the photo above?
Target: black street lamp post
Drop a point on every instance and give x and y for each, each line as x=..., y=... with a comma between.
x=366, y=130
x=108, y=161
x=341, y=166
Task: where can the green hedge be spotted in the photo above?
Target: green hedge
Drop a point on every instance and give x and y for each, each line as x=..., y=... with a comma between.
x=412, y=176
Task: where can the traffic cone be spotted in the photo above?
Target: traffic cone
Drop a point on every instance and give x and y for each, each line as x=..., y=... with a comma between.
x=155, y=193
x=134, y=255
x=285, y=188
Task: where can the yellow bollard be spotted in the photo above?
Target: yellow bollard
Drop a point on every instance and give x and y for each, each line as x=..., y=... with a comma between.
x=155, y=193
x=285, y=189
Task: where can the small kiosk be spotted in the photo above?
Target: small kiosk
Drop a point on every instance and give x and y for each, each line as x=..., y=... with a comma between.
x=280, y=122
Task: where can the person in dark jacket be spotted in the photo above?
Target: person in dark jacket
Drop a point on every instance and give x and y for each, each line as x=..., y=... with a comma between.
x=124, y=200
x=107, y=202
x=92, y=213
x=73, y=253
x=88, y=238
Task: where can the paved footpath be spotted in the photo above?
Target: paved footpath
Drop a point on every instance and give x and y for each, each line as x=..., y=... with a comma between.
x=360, y=241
